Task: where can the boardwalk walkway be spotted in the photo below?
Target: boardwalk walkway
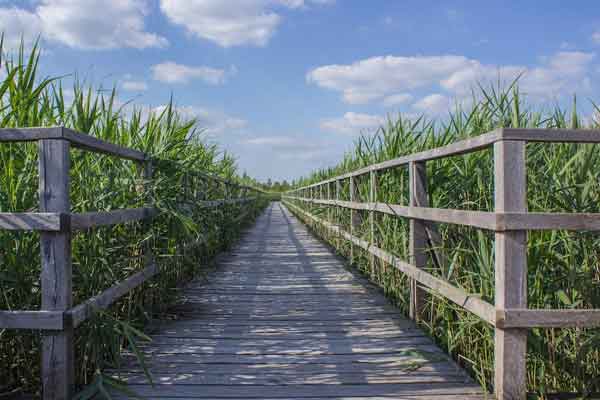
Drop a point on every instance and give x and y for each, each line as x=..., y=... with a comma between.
x=283, y=318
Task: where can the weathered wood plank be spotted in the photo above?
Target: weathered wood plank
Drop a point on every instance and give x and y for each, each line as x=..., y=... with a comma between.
x=86, y=309
x=418, y=197
x=52, y=222
x=56, y=275
x=294, y=317
x=532, y=318
x=439, y=287
x=37, y=320
x=87, y=220
x=510, y=194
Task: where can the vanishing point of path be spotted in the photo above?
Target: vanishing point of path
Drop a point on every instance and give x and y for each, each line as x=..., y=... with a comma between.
x=282, y=317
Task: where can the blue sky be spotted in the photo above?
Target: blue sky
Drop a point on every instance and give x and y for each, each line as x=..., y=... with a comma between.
x=287, y=85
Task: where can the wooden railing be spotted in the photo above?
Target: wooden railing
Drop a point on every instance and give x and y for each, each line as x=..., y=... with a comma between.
x=56, y=223
x=510, y=221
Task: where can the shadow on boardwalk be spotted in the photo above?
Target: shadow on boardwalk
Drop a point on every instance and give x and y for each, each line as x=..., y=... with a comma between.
x=282, y=318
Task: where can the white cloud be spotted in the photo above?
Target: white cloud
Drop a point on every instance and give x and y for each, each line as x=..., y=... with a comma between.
x=377, y=77
x=381, y=78
x=172, y=72
x=352, y=123
x=134, y=86
x=209, y=121
x=433, y=104
x=291, y=147
x=248, y=22
x=397, y=99
x=596, y=37
x=89, y=24
x=17, y=23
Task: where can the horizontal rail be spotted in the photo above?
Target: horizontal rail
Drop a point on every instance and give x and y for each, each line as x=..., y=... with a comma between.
x=88, y=308
x=438, y=286
x=52, y=222
x=220, y=202
x=37, y=320
x=94, y=219
x=473, y=144
x=77, y=139
x=505, y=319
x=532, y=318
x=494, y=221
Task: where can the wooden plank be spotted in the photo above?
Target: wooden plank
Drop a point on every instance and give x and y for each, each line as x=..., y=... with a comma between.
x=52, y=222
x=86, y=309
x=532, y=318
x=454, y=149
x=439, y=287
x=87, y=220
x=478, y=219
x=477, y=143
x=56, y=275
x=30, y=134
x=337, y=391
x=548, y=221
x=510, y=194
x=417, y=234
x=92, y=143
x=552, y=135
x=36, y=320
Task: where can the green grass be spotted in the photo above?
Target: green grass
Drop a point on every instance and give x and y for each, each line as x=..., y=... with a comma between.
x=183, y=237
x=564, y=271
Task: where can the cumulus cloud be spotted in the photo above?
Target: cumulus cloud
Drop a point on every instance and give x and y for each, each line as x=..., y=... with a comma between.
x=291, y=147
x=132, y=85
x=89, y=24
x=352, y=123
x=433, y=104
x=249, y=22
x=397, y=99
x=382, y=78
x=209, y=121
x=171, y=72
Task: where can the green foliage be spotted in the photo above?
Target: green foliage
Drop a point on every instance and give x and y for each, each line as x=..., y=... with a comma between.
x=183, y=238
x=563, y=266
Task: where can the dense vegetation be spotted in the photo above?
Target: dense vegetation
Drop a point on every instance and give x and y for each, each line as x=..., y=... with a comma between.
x=564, y=271
x=184, y=237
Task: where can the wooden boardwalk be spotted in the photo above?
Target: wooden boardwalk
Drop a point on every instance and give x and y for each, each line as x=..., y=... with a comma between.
x=282, y=317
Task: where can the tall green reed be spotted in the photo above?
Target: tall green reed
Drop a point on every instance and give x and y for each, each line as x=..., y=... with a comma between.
x=563, y=266
x=183, y=238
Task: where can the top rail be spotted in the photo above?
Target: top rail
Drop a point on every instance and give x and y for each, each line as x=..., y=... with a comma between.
x=90, y=143
x=475, y=144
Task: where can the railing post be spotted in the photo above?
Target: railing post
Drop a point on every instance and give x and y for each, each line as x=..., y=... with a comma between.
x=417, y=175
x=338, y=212
x=58, y=368
x=329, y=205
x=372, y=200
x=510, y=195
x=354, y=216
x=148, y=202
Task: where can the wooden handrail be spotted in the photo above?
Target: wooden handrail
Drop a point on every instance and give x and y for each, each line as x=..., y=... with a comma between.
x=56, y=224
x=509, y=221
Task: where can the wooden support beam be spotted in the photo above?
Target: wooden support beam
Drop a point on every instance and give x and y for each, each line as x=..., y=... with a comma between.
x=355, y=218
x=56, y=276
x=86, y=309
x=510, y=193
x=372, y=235
x=54, y=222
x=37, y=320
x=418, y=235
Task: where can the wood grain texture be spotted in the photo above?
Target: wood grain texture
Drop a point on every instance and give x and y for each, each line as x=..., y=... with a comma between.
x=282, y=317
x=87, y=220
x=56, y=275
x=510, y=195
x=52, y=222
x=417, y=177
x=37, y=320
